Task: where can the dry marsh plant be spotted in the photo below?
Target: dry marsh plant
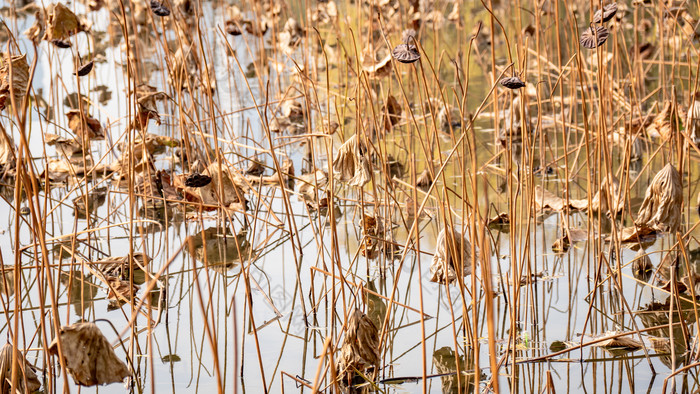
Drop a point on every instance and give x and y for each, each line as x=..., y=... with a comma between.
x=349, y=196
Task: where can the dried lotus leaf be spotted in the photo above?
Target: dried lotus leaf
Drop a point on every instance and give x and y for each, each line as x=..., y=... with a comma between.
x=17, y=83
x=452, y=256
x=23, y=369
x=661, y=208
x=351, y=163
x=88, y=355
x=360, y=348
x=61, y=23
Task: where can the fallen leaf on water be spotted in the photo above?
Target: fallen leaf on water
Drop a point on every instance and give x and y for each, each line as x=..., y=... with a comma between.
x=88, y=355
x=625, y=342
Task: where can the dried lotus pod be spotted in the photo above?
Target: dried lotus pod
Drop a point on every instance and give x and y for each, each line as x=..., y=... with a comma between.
x=85, y=69
x=88, y=355
x=197, y=180
x=452, y=255
x=513, y=83
x=405, y=53
x=607, y=13
x=360, y=348
x=594, y=37
x=661, y=208
x=159, y=8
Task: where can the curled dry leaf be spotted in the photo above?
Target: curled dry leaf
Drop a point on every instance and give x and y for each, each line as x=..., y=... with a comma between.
x=664, y=124
x=391, y=112
x=351, y=163
x=425, y=180
x=594, y=37
x=376, y=68
x=453, y=254
x=692, y=123
x=7, y=153
x=17, y=83
x=88, y=355
x=61, y=22
x=85, y=126
x=360, y=348
x=661, y=208
x=38, y=29
x=23, y=369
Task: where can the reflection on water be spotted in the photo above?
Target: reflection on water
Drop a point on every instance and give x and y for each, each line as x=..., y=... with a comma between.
x=219, y=251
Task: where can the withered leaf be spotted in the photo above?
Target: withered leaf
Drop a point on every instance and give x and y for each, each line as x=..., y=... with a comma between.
x=61, y=23
x=23, y=368
x=88, y=355
x=360, y=348
x=18, y=82
x=661, y=208
x=453, y=256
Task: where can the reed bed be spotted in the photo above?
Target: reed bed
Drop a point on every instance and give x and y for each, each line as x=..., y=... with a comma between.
x=349, y=196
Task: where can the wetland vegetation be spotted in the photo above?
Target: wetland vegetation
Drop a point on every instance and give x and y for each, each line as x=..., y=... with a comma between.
x=349, y=196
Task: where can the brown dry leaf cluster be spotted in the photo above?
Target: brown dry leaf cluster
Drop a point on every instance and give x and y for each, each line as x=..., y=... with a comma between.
x=27, y=381
x=453, y=255
x=360, y=347
x=88, y=356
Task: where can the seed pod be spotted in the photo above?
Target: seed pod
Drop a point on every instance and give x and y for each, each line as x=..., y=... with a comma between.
x=60, y=43
x=406, y=53
x=513, y=83
x=159, y=9
x=594, y=37
x=85, y=69
x=607, y=13
x=197, y=180
x=232, y=28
